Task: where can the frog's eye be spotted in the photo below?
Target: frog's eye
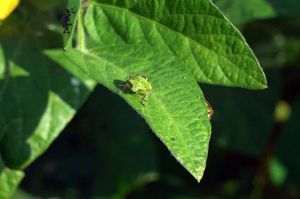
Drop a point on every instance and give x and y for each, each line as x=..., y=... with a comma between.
x=129, y=83
x=143, y=76
x=130, y=77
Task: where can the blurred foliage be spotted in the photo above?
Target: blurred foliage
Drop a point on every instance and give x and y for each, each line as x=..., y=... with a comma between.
x=252, y=155
x=236, y=124
x=286, y=7
x=240, y=11
x=37, y=96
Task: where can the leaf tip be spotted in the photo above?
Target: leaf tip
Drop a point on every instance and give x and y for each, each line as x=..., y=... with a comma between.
x=263, y=83
x=199, y=179
x=198, y=175
x=260, y=81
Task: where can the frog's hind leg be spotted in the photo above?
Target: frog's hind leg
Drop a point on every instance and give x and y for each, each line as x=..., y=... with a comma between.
x=144, y=98
x=124, y=88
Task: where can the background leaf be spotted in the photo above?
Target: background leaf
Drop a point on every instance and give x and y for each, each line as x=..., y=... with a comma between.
x=38, y=98
x=286, y=7
x=252, y=131
x=9, y=180
x=240, y=11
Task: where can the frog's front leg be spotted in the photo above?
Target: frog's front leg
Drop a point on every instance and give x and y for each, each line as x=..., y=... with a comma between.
x=121, y=88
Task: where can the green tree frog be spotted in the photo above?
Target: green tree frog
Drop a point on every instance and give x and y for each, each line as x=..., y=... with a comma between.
x=139, y=85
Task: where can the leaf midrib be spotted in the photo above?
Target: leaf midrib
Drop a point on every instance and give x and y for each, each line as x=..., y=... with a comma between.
x=163, y=107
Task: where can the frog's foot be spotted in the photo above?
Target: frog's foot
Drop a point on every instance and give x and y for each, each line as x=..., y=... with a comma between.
x=144, y=99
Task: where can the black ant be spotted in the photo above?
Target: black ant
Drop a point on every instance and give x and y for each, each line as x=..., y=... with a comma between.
x=66, y=20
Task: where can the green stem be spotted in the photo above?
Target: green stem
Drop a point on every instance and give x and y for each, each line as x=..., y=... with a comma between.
x=80, y=30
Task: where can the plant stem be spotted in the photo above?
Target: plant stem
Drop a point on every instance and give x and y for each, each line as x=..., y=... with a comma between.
x=80, y=30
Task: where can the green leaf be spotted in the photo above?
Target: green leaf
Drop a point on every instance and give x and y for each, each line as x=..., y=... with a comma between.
x=176, y=110
x=38, y=98
x=37, y=103
x=193, y=30
x=9, y=180
x=240, y=11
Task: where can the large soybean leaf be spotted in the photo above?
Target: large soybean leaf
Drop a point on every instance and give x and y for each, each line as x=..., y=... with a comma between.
x=176, y=110
x=241, y=12
x=195, y=31
x=37, y=99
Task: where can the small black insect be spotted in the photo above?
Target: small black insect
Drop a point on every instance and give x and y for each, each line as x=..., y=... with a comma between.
x=66, y=20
